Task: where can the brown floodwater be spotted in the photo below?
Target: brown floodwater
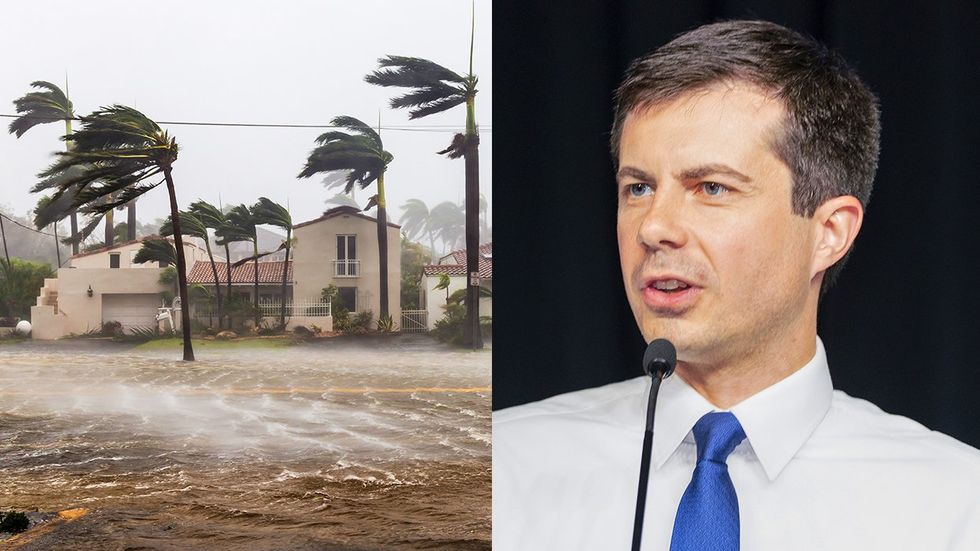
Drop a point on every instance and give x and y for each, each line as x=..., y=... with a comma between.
x=307, y=447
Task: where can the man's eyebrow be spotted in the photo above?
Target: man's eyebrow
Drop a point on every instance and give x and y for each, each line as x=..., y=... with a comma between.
x=631, y=172
x=699, y=172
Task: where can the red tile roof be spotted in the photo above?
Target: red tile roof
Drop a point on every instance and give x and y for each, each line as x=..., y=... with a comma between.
x=269, y=273
x=456, y=263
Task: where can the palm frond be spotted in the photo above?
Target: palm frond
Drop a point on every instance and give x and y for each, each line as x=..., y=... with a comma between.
x=436, y=107
x=358, y=127
x=156, y=250
x=410, y=72
x=266, y=211
x=190, y=224
x=40, y=107
x=210, y=215
x=426, y=95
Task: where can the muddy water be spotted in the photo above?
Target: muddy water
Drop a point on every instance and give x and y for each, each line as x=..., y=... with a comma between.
x=308, y=447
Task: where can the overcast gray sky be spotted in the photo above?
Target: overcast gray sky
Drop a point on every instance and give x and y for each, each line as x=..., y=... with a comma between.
x=290, y=61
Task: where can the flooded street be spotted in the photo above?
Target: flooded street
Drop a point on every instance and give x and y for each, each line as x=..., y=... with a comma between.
x=307, y=447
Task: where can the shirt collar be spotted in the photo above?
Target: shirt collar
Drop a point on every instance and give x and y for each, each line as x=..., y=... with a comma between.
x=777, y=420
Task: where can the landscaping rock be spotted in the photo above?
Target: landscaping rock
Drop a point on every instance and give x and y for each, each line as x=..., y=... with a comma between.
x=226, y=335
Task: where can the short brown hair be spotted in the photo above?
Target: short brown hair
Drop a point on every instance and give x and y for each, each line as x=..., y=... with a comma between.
x=830, y=136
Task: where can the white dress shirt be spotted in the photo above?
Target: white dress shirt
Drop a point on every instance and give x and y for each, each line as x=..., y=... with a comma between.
x=818, y=470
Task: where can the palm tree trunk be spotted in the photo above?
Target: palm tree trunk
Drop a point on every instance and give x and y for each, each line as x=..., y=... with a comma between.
x=185, y=315
x=3, y=234
x=131, y=220
x=214, y=272
x=285, y=268
x=228, y=275
x=74, y=233
x=57, y=244
x=471, y=327
x=74, y=216
x=255, y=301
x=110, y=235
x=383, y=246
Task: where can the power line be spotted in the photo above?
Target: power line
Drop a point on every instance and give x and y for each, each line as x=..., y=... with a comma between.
x=397, y=128
x=5, y=217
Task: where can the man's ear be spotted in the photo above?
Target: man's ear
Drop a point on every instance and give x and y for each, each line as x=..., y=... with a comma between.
x=837, y=223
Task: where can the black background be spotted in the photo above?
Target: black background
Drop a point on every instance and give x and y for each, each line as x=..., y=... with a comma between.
x=900, y=327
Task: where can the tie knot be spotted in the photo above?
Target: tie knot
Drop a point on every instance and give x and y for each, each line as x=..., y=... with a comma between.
x=717, y=434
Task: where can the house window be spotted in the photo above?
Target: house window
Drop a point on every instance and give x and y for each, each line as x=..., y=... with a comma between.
x=346, y=264
x=162, y=263
x=347, y=296
x=113, y=260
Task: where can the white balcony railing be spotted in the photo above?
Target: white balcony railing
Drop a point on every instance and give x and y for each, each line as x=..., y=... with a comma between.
x=346, y=268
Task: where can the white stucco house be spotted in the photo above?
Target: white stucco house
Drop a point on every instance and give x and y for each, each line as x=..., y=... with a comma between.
x=454, y=266
x=338, y=248
x=103, y=285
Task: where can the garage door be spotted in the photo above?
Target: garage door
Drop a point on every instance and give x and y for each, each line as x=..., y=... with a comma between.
x=131, y=310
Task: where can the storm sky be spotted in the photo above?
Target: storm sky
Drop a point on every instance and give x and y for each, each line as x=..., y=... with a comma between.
x=285, y=62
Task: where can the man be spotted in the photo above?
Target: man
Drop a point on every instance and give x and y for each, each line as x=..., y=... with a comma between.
x=745, y=156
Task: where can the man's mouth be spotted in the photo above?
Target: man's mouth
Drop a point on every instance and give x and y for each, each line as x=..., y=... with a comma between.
x=669, y=293
x=669, y=285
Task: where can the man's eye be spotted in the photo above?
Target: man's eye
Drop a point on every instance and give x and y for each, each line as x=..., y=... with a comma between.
x=713, y=189
x=638, y=190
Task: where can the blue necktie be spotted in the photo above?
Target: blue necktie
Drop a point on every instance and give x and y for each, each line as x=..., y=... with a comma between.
x=707, y=517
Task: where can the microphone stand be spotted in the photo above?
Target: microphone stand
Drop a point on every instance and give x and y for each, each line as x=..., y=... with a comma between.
x=659, y=362
x=641, y=491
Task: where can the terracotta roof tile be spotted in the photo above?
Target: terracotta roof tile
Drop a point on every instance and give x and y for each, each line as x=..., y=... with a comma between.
x=456, y=263
x=269, y=273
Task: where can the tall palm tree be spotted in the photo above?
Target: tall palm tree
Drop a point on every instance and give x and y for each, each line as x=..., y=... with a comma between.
x=268, y=212
x=193, y=226
x=240, y=226
x=362, y=154
x=120, y=153
x=49, y=104
x=436, y=89
x=212, y=218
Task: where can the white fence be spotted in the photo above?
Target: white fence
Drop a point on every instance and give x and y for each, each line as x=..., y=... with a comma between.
x=271, y=309
x=415, y=321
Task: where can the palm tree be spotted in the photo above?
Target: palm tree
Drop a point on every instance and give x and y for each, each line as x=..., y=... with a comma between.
x=240, y=226
x=416, y=222
x=447, y=220
x=436, y=89
x=212, y=218
x=48, y=105
x=119, y=153
x=362, y=154
x=193, y=226
x=274, y=214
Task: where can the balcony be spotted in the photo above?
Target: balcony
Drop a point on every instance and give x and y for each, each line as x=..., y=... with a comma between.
x=346, y=268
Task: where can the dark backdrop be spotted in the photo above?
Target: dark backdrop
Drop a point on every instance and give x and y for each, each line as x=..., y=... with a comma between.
x=900, y=327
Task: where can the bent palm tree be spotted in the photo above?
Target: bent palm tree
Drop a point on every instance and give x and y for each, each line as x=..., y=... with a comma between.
x=212, y=218
x=118, y=155
x=266, y=211
x=48, y=105
x=436, y=89
x=240, y=226
x=193, y=226
x=362, y=154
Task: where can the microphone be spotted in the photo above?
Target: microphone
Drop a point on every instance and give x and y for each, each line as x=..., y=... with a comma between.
x=659, y=362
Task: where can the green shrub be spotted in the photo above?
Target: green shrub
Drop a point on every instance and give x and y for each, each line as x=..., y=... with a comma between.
x=387, y=325
x=361, y=321
x=14, y=522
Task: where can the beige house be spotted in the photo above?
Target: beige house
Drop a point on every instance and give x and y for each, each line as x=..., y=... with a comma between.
x=454, y=265
x=100, y=286
x=341, y=248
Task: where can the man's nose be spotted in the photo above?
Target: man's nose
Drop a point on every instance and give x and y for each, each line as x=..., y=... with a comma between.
x=662, y=226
